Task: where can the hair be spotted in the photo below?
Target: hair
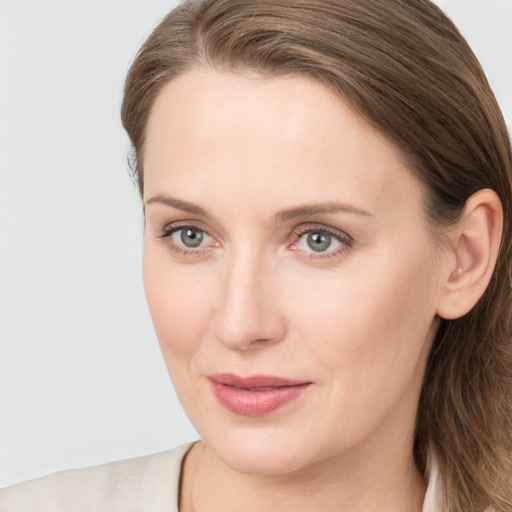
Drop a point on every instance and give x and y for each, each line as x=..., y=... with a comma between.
x=405, y=68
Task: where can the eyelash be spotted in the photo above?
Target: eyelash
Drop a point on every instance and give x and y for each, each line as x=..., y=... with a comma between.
x=344, y=239
x=182, y=250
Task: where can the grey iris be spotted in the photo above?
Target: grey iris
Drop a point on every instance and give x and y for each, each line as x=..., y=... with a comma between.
x=191, y=237
x=319, y=241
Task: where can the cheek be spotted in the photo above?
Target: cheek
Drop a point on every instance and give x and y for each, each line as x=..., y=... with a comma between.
x=369, y=327
x=179, y=301
x=369, y=338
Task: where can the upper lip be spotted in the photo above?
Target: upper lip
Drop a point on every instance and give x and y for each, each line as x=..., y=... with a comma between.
x=255, y=381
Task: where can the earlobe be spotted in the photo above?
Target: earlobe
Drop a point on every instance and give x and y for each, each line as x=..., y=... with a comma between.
x=476, y=242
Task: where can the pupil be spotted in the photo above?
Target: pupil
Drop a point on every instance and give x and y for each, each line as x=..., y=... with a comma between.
x=319, y=241
x=191, y=237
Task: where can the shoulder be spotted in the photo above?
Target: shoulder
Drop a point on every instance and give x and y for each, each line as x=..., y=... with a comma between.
x=126, y=485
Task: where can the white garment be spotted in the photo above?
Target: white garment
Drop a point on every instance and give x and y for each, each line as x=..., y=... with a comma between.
x=143, y=484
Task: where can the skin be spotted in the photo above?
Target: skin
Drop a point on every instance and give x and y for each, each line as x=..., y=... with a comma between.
x=356, y=320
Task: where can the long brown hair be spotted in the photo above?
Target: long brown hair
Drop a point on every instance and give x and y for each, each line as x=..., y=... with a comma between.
x=404, y=67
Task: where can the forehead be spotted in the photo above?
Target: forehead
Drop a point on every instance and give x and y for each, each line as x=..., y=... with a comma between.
x=286, y=138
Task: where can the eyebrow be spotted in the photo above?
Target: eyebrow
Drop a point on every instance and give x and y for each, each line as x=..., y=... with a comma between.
x=178, y=204
x=316, y=209
x=284, y=215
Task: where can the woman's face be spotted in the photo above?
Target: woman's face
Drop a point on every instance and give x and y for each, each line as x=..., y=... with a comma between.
x=289, y=269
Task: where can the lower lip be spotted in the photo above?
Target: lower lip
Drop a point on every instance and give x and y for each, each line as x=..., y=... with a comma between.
x=245, y=402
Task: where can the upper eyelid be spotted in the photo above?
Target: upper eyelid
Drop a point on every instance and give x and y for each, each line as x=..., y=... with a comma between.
x=308, y=228
x=181, y=224
x=168, y=231
x=302, y=228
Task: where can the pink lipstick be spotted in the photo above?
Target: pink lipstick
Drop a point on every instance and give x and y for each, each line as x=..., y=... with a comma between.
x=257, y=395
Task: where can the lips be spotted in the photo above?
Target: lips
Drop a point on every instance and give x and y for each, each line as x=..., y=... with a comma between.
x=257, y=395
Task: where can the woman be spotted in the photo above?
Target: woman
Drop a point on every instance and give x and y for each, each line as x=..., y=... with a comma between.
x=327, y=193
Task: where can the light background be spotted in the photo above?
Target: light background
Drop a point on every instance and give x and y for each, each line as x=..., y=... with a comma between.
x=81, y=377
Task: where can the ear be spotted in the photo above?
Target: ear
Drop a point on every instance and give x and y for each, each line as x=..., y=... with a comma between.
x=475, y=245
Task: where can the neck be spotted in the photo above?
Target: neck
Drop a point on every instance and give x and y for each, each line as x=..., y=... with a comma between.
x=381, y=482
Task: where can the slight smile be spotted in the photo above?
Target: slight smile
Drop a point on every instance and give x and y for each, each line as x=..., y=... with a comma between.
x=257, y=395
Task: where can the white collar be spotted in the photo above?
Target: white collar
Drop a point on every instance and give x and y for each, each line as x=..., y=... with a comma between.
x=434, y=495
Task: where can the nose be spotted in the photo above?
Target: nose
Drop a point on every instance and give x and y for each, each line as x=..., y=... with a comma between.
x=248, y=315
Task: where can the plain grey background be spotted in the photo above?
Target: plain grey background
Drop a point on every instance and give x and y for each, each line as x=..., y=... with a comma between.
x=81, y=377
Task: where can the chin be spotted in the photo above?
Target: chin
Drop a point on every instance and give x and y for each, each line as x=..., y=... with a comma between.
x=261, y=462
x=264, y=452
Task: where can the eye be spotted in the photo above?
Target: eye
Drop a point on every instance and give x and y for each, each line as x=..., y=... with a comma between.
x=190, y=237
x=188, y=240
x=322, y=241
x=318, y=242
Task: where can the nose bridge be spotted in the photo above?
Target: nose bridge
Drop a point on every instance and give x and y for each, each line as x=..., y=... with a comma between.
x=245, y=311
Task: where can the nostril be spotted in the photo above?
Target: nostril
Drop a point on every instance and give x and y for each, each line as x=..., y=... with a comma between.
x=249, y=330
